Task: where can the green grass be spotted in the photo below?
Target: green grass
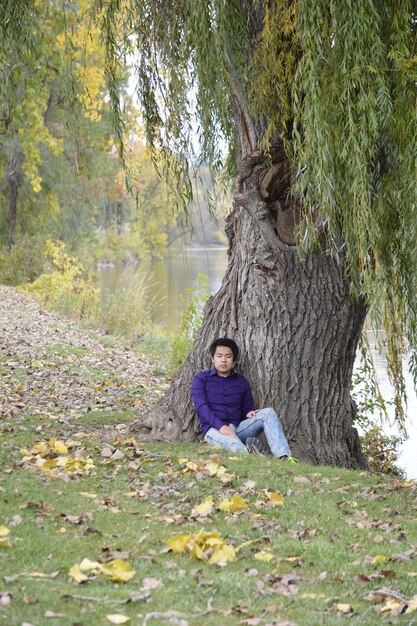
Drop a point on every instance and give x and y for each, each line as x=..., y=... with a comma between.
x=332, y=524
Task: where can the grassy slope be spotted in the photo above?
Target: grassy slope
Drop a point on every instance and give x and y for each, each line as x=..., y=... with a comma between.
x=324, y=539
x=335, y=524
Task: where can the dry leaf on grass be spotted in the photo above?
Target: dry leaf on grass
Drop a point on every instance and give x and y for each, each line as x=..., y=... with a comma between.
x=6, y=598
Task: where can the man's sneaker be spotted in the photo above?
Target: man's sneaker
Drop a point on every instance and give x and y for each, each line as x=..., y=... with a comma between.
x=255, y=446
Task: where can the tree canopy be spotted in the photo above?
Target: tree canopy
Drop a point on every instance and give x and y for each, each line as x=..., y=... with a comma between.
x=60, y=172
x=334, y=83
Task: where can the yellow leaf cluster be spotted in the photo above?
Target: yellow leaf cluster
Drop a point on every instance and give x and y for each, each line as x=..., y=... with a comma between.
x=84, y=39
x=117, y=571
x=54, y=459
x=236, y=503
x=204, y=546
x=211, y=468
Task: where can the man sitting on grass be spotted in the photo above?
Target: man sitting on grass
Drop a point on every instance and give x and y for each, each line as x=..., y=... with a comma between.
x=226, y=410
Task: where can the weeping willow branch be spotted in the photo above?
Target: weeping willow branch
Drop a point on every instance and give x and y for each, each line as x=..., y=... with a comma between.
x=336, y=82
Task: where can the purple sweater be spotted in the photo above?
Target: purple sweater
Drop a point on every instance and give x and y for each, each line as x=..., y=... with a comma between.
x=221, y=400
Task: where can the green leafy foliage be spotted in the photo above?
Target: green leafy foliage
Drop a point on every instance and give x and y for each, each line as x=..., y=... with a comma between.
x=354, y=146
x=23, y=263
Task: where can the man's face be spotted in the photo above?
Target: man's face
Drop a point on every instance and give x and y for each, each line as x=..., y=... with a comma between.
x=223, y=360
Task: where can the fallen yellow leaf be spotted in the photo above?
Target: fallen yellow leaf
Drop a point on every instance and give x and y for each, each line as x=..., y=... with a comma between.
x=88, y=566
x=118, y=571
x=191, y=465
x=344, y=608
x=213, y=541
x=58, y=446
x=76, y=574
x=222, y=554
x=197, y=551
x=380, y=558
x=178, y=543
x=274, y=498
x=47, y=463
x=4, y=537
x=118, y=618
x=212, y=467
x=204, y=508
x=391, y=605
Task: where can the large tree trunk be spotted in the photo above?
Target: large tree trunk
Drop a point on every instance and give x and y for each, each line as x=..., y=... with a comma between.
x=294, y=321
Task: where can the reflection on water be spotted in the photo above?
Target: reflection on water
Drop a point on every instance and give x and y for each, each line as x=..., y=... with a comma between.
x=173, y=276
x=408, y=456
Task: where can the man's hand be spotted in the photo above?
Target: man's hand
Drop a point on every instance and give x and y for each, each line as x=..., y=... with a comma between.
x=226, y=430
x=252, y=413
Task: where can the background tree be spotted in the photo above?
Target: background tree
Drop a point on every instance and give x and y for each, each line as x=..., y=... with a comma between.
x=61, y=175
x=316, y=102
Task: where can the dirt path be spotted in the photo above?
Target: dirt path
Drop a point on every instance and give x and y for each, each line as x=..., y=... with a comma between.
x=49, y=367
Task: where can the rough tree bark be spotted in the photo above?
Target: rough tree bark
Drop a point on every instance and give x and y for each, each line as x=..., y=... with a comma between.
x=294, y=320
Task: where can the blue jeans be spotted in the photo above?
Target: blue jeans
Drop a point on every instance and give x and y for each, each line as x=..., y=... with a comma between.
x=265, y=420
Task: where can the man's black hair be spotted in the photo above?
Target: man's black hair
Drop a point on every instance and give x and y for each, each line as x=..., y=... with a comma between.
x=227, y=343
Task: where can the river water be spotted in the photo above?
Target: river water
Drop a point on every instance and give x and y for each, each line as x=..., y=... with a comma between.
x=172, y=278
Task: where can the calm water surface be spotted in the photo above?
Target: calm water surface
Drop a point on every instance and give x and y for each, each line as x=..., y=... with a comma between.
x=173, y=277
